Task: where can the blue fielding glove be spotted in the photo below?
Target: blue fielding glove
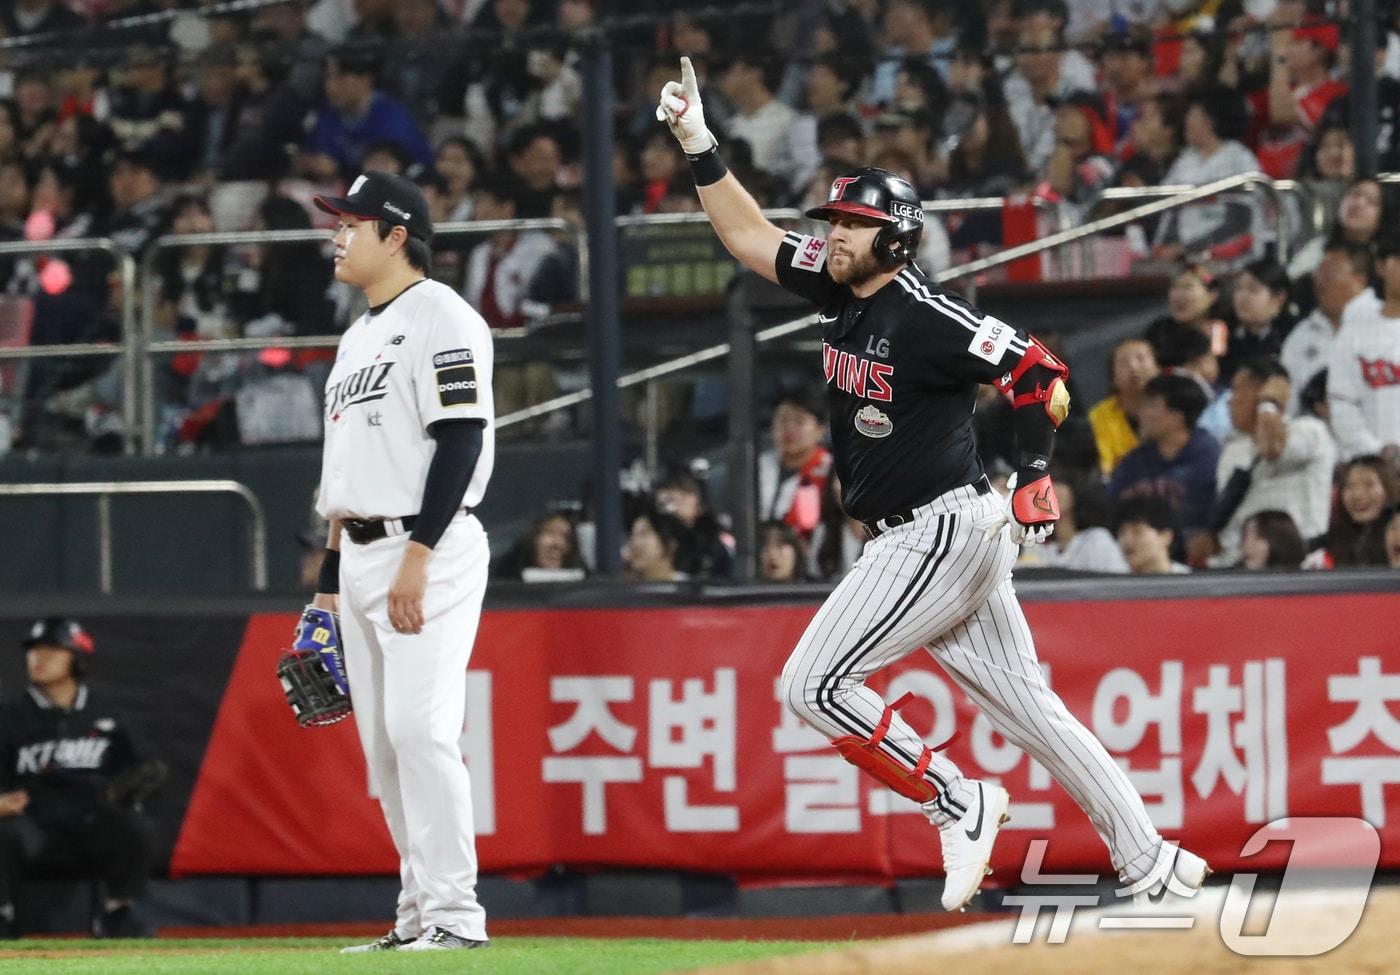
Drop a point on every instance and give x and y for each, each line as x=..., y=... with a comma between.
x=319, y=631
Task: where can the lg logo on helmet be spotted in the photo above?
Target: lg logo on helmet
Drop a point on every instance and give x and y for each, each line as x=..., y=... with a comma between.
x=906, y=211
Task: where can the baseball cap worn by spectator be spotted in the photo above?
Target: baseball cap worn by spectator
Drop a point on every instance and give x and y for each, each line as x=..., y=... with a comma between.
x=385, y=197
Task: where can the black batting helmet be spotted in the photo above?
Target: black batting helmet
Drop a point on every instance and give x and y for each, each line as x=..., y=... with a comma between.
x=55, y=631
x=878, y=194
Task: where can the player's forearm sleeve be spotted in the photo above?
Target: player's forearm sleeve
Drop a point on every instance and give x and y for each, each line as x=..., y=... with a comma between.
x=449, y=474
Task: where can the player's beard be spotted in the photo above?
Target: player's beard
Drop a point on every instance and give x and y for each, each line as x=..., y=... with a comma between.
x=859, y=268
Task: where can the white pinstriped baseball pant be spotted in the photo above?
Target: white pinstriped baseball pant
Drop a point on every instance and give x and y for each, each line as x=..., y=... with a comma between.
x=940, y=583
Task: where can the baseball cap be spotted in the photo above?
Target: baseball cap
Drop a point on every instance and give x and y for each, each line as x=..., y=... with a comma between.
x=59, y=632
x=383, y=196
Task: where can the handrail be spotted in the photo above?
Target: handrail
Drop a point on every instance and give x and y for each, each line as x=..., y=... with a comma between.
x=640, y=376
x=150, y=347
x=647, y=219
x=128, y=345
x=103, y=490
x=1280, y=188
x=76, y=350
x=776, y=331
x=1107, y=223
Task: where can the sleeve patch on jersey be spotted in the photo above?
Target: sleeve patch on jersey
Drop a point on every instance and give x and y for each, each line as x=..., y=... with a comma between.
x=452, y=357
x=992, y=338
x=810, y=254
x=457, y=386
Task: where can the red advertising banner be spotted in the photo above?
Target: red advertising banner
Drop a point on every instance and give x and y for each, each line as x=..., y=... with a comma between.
x=655, y=738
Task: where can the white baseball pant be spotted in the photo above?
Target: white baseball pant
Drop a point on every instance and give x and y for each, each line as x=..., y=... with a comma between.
x=409, y=694
x=940, y=583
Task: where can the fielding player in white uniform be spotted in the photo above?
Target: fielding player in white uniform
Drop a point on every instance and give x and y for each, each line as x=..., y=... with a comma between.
x=409, y=447
x=902, y=361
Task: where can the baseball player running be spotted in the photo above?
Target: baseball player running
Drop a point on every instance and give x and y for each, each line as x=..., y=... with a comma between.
x=902, y=361
x=409, y=447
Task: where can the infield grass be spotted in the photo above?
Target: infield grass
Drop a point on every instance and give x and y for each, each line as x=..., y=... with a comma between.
x=312, y=956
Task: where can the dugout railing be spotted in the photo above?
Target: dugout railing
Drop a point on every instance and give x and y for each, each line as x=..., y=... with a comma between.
x=104, y=491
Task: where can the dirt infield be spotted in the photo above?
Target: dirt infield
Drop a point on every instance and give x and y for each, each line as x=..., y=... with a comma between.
x=988, y=950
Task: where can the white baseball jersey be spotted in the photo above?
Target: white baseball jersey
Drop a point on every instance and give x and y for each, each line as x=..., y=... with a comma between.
x=1363, y=381
x=425, y=356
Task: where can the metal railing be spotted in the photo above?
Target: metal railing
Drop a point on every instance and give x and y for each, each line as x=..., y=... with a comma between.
x=142, y=347
x=126, y=346
x=150, y=348
x=719, y=350
x=103, y=491
x=1098, y=226
x=1278, y=189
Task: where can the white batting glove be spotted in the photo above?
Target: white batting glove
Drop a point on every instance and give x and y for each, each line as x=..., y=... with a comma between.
x=1020, y=534
x=680, y=108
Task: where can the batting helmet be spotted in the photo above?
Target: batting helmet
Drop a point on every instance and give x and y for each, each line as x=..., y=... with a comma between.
x=55, y=631
x=878, y=194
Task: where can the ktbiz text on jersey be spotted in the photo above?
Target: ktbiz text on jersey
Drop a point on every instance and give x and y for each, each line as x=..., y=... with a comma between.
x=362, y=386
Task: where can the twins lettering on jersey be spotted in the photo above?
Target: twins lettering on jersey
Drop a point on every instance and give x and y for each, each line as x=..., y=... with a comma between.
x=1378, y=373
x=362, y=386
x=858, y=375
x=69, y=753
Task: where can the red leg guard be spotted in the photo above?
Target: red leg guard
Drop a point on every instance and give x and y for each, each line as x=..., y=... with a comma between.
x=865, y=754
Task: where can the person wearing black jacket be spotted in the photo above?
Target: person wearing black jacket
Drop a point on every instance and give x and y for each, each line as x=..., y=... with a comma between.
x=71, y=784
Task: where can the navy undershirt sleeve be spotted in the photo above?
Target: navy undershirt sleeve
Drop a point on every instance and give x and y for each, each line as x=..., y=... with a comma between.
x=449, y=473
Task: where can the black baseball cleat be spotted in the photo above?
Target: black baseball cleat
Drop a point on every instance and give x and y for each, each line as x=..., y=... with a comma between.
x=390, y=942
x=122, y=922
x=441, y=939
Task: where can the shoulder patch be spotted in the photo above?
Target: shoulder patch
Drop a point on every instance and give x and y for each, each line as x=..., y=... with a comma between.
x=457, y=386
x=452, y=357
x=991, y=339
x=809, y=254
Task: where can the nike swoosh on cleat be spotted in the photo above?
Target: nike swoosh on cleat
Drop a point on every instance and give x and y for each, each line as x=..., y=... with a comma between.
x=976, y=834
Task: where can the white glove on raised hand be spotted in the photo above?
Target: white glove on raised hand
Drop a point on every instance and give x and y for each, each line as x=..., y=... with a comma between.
x=1020, y=534
x=680, y=108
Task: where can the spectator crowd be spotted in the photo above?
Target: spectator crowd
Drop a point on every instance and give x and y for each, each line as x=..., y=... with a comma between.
x=1259, y=417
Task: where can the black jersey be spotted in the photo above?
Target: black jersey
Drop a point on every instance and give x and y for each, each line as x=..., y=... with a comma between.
x=902, y=369
x=63, y=759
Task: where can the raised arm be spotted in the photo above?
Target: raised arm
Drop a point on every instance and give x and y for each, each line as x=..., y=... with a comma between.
x=733, y=213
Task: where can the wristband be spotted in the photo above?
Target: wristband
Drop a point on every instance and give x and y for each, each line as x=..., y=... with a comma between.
x=707, y=167
x=328, y=582
x=1268, y=406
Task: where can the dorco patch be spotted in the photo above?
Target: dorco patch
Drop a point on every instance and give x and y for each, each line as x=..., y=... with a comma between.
x=991, y=340
x=873, y=423
x=810, y=254
x=452, y=357
x=457, y=386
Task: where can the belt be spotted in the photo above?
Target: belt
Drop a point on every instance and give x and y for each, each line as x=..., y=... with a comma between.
x=362, y=531
x=874, y=529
